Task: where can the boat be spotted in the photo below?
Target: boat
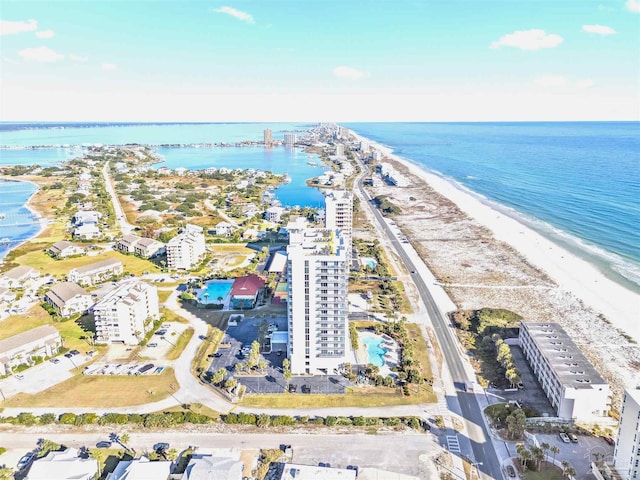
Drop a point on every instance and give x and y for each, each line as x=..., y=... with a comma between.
x=5, y=241
x=312, y=164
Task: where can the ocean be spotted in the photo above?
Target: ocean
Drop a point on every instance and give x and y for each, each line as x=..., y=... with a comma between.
x=16, y=221
x=577, y=183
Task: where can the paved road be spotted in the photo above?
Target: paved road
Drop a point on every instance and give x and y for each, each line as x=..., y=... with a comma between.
x=121, y=220
x=479, y=435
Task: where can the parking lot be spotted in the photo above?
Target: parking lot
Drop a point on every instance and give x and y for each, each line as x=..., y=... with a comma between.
x=580, y=454
x=273, y=381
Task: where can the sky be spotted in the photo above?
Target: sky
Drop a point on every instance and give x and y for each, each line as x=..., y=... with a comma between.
x=319, y=60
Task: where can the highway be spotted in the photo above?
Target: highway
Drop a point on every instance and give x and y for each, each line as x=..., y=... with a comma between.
x=470, y=410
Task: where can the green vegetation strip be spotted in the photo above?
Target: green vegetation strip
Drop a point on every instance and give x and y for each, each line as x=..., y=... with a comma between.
x=180, y=345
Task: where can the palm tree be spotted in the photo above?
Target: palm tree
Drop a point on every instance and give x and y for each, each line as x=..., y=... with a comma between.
x=124, y=440
x=98, y=454
x=555, y=450
x=206, y=297
x=545, y=448
x=567, y=470
x=520, y=449
x=286, y=371
x=538, y=455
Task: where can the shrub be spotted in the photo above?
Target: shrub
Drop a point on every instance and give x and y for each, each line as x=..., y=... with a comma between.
x=27, y=419
x=263, y=420
x=282, y=420
x=359, y=421
x=330, y=421
x=47, y=418
x=67, y=418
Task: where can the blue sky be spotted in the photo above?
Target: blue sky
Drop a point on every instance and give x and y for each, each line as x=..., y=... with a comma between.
x=311, y=60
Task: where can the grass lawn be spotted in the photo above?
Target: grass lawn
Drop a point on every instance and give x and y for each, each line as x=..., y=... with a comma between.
x=100, y=391
x=180, y=344
x=547, y=472
x=163, y=295
x=70, y=331
x=420, y=349
x=59, y=268
x=171, y=316
x=196, y=408
x=231, y=248
x=355, y=397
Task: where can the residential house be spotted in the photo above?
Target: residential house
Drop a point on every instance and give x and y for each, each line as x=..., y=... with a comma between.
x=149, y=248
x=127, y=243
x=250, y=234
x=68, y=298
x=18, y=276
x=65, y=465
x=273, y=214
x=6, y=296
x=141, y=469
x=292, y=471
x=245, y=291
x=84, y=217
x=96, y=272
x=208, y=467
x=125, y=314
x=224, y=229
x=88, y=232
x=43, y=341
x=64, y=249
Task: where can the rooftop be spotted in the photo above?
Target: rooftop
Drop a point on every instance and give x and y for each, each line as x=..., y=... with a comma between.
x=247, y=286
x=111, y=262
x=65, y=291
x=308, y=472
x=27, y=337
x=563, y=355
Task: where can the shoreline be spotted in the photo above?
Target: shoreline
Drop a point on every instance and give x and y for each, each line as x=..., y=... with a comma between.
x=38, y=217
x=573, y=274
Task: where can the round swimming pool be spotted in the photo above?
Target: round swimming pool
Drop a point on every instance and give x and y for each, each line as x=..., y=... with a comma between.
x=374, y=351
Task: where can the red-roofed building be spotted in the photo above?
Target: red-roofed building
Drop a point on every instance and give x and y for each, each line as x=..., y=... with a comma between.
x=246, y=291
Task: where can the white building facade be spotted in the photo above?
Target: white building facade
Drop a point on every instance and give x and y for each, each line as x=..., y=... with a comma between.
x=187, y=249
x=317, y=306
x=339, y=214
x=126, y=313
x=572, y=385
x=626, y=457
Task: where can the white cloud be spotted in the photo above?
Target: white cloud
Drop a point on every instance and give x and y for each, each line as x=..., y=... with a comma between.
x=40, y=54
x=244, y=16
x=586, y=83
x=534, y=39
x=78, y=58
x=45, y=34
x=633, y=6
x=599, y=29
x=11, y=28
x=348, y=72
x=109, y=66
x=551, y=81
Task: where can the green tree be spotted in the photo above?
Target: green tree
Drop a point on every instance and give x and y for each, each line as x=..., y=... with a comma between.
x=99, y=455
x=172, y=454
x=545, y=448
x=263, y=421
x=286, y=371
x=516, y=423
x=555, y=450
x=567, y=470
x=218, y=377
x=538, y=455
x=230, y=384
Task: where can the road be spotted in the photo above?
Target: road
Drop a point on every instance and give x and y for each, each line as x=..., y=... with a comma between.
x=121, y=220
x=481, y=444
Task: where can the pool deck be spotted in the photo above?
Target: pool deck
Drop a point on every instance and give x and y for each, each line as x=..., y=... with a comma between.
x=391, y=358
x=225, y=301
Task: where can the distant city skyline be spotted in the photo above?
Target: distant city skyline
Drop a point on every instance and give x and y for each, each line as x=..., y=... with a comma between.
x=268, y=60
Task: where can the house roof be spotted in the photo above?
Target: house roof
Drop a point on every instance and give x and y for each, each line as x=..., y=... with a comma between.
x=130, y=239
x=207, y=467
x=141, y=469
x=27, y=337
x=146, y=242
x=111, y=262
x=62, y=292
x=64, y=465
x=61, y=245
x=308, y=472
x=277, y=262
x=247, y=286
x=18, y=273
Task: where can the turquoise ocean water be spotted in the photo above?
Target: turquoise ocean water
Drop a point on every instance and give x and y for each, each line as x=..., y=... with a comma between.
x=575, y=182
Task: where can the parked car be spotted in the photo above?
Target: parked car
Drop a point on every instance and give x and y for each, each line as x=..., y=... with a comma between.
x=26, y=460
x=55, y=360
x=564, y=437
x=103, y=444
x=610, y=440
x=19, y=376
x=74, y=352
x=161, y=332
x=160, y=447
x=573, y=438
x=511, y=471
x=152, y=345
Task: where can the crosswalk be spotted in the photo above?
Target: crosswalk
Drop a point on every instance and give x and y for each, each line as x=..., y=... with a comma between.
x=452, y=444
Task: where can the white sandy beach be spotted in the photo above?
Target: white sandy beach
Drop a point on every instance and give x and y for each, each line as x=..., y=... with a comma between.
x=620, y=305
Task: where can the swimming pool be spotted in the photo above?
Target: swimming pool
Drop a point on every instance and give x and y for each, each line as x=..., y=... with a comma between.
x=374, y=351
x=213, y=290
x=368, y=262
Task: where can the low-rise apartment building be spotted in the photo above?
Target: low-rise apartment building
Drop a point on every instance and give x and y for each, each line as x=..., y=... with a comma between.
x=96, y=272
x=68, y=298
x=186, y=250
x=18, y=276
x=572, y=385
x=43, y=341
x=126, y=314
x=64, y=249
x=140, y=246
